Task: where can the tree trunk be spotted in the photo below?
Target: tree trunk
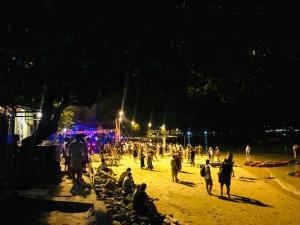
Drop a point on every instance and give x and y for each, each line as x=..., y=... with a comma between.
x=47, y=126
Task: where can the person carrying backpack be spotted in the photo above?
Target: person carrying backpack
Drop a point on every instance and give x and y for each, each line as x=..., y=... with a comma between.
x=205, y=172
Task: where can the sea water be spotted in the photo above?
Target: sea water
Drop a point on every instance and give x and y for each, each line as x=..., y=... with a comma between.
x=278, y=174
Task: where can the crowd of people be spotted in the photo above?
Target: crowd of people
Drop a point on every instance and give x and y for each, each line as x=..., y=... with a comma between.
x=178, y=153
x=76, y=155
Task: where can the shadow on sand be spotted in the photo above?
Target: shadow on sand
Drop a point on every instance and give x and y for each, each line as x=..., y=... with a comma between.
x=251, y=181
x=186, y=172
x=244, y=200
x=82, y=189
x=187, y=183
x=247, y=178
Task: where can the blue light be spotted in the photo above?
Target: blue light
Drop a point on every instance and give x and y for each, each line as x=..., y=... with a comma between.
x=205, y=132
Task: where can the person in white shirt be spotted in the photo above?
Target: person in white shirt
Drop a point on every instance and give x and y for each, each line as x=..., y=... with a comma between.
x=128, y=184
x=248, y=150
x=207, y=177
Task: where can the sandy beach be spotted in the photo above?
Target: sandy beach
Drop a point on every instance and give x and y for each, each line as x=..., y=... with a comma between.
x=255, y=198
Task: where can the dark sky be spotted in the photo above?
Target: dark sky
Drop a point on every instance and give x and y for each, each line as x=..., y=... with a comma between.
x=276, y=107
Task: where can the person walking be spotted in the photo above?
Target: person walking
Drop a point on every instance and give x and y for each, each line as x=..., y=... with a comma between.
x=192, y=157
x=218, y=154
x=207, y=177
x=201, y=150
x=77, y=149
x=142, y=158
x=247, y=151
x=174, y=169
x=149, y=159
x=295, y=149
x=210, y=153
x=230, y=161
x=225, y=176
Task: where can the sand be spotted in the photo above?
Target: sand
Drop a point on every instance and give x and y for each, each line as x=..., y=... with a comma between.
x=254, y=198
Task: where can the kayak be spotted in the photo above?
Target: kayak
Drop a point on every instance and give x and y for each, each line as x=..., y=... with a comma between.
x=294, y=173
x=273, y=163
x=266, y=163
x=294, y=161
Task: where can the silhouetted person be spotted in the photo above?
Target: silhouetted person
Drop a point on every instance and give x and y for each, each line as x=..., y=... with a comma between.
x=142, y=204
x=174, y=169
x=77, y=149
x=225, y=176
x=192, y=157
x=142, y=158
x=140, y=201
x=16, y=151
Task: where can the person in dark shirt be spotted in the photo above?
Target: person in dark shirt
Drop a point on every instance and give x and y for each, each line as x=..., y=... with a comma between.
x=193, y=157
x=123, y=175
x=140, y=201
x=225, y=176
x=230, y=161
x=142, y=158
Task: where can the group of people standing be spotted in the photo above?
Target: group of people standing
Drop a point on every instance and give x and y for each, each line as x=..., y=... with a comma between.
x=224, y=175
x=75, y=153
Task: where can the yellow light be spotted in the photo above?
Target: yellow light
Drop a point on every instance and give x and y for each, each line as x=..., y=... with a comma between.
x=149, y=124
x=121, y=113
x=132, y=123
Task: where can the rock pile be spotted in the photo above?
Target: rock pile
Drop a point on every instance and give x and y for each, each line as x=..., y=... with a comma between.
x=119, y=207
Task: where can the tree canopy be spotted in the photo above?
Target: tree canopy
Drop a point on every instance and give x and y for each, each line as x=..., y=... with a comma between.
x=79, y=51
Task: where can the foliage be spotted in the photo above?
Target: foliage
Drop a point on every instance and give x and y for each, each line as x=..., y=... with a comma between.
x=67, y=120
x=189, y=47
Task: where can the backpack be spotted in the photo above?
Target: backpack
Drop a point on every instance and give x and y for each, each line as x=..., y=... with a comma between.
x=202, y=171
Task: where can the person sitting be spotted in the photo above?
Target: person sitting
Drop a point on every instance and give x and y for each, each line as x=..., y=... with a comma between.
x=128, y=184
x=140, y=201
x=137, y=189
x=103, y=166
x=142, y=204
x=123, y=175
